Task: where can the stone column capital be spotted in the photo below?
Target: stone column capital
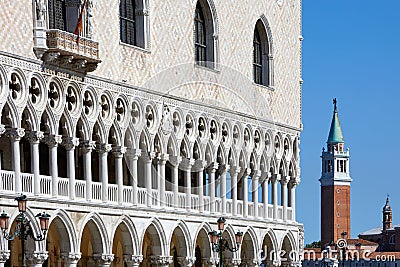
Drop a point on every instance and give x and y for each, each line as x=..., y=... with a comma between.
x=87, y=146
x=294, y=182
x=211, y=261
x=4, y=255
x=275, y=178
x=175, y=160
x=186, y=261
x=37, y=257
x=162, y=159
x=119, y=151
x=15, y=133
x=70, y=142
x=213, y=167
x=2, y=129
x=134, y=260
x=148, y=156
x=285, y=180
x=71, y=257
x=161, y=260
x=53, y=140
x=256, y=174
x=34, y=137
x=133, y=153
x=234, y=170
x=103, y=148
x=234, y=262
x=103, y=259
x=186, y=164
x=223, y=168
x=246, y=172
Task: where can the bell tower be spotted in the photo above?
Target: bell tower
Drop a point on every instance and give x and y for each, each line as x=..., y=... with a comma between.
x=387, y=216
x=335, y=185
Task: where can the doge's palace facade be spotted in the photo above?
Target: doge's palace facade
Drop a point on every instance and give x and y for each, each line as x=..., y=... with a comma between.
x=137, y=124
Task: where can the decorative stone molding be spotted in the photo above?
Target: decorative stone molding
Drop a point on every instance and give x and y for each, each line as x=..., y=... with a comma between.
x=87, y=146
x=103, y=148
x=161, y=260
x=211, y=261
x=15, y=134
x=186, y=261
x=133, y=153
x=103, y=259
x=37, y=257
x=4, y=255
x=233, y=262
x=119, y=151
x=71, y=257
x=2, y=129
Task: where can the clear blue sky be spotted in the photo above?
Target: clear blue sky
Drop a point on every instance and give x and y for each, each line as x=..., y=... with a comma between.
x=351, y=51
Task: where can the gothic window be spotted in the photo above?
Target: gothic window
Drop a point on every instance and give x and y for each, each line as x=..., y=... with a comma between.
x=204, y=35
x=65, y=14
x=261, y=56
x=134, y=22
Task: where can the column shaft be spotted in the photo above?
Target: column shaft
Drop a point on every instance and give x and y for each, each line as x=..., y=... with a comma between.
x=255, y=182
x=265, y=197
x=175, y=173
x=211, y=189
x=245, y=195
x=103, y=174
x=200, y=190
x=188, y=188
x=234, y=192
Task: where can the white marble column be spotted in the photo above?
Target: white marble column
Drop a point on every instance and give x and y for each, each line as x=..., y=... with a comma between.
x=284, y=193
x=147, y=160
x=119, y=174
x=186, y=165
x=133, y=156
x=34, y=138
x=223, y=169
x=162, y=160
x=15, y=136
x=245, y=183
x=211, y=185
x=70, y=259
x=102, y=150
x=70, y=143
x=255, y=182
x=175, y=161
x=274, y=180
x=265, y=194
x=87, y=148
x=198, y=167
x=103, y=260
x=52, y=141
x=234, y=171
x=133, y=260
x=293, y=184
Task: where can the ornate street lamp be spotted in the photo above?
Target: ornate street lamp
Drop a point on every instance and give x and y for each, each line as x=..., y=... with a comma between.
x=23, y=229
x=220, y=244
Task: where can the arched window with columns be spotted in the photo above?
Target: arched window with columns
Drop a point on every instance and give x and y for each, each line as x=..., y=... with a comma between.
x=262, y=56
x=205, y=35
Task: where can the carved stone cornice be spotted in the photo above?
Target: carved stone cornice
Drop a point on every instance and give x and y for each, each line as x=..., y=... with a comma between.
x=161, y=260
x=71, y=257
x=186, y=261
x=103, y=148
x=87, y=146
x=15, y=134
x=53, y=140
x=4, y=255
x=70, y=142
x=37, y=257
x=104, y=259
x=35, y=136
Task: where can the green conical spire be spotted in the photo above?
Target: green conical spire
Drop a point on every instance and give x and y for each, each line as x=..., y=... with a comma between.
x=335, y=134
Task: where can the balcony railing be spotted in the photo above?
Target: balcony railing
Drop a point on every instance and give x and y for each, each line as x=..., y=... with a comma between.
x=70, y=51
x=7, y=181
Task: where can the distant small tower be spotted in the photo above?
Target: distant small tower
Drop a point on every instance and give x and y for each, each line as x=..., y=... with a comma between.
x=335, y=185
x=387, y=216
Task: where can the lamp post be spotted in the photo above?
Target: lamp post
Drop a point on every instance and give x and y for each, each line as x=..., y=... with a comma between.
x=23, y=229
x=220, y=244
